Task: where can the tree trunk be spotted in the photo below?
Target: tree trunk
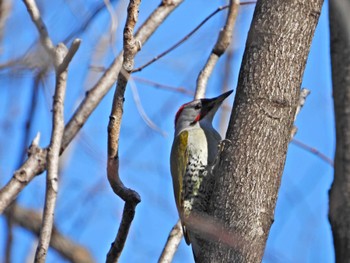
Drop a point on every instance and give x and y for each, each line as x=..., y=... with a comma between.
x=249, y=172
x=339, y=196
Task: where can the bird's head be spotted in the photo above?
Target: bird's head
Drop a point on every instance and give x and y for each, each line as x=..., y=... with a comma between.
x=191, y=113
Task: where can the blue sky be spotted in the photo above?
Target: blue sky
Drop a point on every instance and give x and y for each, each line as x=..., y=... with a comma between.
x=87, y=209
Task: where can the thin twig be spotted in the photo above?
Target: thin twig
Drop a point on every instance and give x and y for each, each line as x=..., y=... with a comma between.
x=34, y=13
x=186, y=37
x=222, y=43
x=36, y=162
x=313, y=151
x=131, y=197
x=172, y=244
x=181, y=41
x=31, y=221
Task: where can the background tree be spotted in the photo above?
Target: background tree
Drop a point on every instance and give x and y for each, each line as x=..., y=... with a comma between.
x=87, y=211
x=339, y=209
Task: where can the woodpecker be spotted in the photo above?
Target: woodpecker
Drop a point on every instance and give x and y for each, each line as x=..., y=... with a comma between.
x=194, y=148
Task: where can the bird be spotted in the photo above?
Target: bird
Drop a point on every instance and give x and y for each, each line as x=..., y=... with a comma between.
x=194, y=149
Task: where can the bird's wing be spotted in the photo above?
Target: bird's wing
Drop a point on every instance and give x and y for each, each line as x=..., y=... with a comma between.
x=179, y=159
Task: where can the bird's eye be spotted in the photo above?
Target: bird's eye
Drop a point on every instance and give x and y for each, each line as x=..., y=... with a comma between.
x=197, y=106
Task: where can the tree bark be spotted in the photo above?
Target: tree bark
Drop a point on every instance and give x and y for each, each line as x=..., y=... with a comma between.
x=339, y=195
x=252, y=158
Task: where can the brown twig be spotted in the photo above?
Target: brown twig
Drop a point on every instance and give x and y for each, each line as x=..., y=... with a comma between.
x=172, y=244
x=313, y=151
x=31, y=220
x=131, y=197
x=36, y=162
x=181, y=41
x=220, y=47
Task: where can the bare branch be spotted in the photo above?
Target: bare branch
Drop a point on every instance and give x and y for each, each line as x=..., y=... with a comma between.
x=44, y=34
x=314, y=151
x=31, y=220
x=62, y=58
x=36, y=163
x=172, y=244
x=131, y=198
x=220, y=47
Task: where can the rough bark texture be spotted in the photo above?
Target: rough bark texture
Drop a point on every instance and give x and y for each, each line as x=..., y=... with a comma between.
x=339, y=196
x=252, y=159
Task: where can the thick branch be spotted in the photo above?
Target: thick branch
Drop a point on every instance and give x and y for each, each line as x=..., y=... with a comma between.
x=31, y=220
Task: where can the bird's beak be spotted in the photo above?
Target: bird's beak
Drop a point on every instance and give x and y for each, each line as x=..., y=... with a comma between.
x=221, y=98
x=211, y=105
